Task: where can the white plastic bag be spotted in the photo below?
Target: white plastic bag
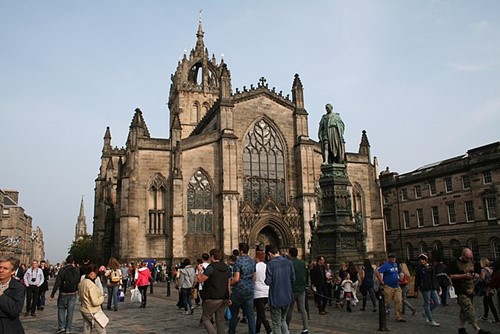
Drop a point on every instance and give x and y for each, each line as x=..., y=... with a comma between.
x=135, y=296
x=451, y=292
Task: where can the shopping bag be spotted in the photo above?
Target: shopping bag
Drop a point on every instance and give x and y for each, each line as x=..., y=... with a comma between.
x=101, y=318
x=135, y=296
x=228, y=315
x=121, y=295
x=451, y=292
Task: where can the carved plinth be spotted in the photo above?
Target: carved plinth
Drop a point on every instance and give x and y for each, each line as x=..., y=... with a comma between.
x=337, y=237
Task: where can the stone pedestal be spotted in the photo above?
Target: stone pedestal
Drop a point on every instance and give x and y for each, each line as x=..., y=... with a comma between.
x=337, y=237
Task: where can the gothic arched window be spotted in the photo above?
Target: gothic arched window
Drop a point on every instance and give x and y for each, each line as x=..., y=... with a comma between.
x=156, y=204
x=263, y=165
x=199, y=204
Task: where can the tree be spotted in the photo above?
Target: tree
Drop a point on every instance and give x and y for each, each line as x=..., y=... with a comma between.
x=82, y=249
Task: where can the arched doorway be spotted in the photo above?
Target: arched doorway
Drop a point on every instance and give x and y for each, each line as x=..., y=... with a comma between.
x=267, y=236
x=271, y=230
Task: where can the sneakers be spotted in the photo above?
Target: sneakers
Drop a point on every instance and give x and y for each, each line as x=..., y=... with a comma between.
x=433, y=323
x=305, y=331
x=62, y=330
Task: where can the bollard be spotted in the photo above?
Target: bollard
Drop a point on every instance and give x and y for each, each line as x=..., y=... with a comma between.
x=168, y=287
x=382, y=321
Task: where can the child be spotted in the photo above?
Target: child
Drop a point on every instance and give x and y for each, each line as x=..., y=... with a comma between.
x=337, y=288
x=348, y=287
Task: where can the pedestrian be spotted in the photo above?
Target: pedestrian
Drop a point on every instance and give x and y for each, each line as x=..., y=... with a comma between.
x=91, y=300
x=367, y=284
x=242, y=290
x=33, y=280
x=114, y=278
x=299, y=290
x=347, y=287
x=486, y=274
x=495, y=281
x=354, y=274
x=67, y=281
x=426, y=283
x=329, y=275
x=280, y=276
x=404, y=283
x=142, y=278
x=12, y=294
x=187, y=278
x=443, y=279
x=462, y=276
x=124, y=270
x=390, y=282
x=45, y=286
x=261, y=292
x=215, y=293
x=318, y=284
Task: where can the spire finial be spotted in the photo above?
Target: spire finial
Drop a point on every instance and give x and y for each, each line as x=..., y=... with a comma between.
x=199, y=20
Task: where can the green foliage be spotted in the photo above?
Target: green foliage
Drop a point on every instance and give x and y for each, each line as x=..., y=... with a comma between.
x=82, y=249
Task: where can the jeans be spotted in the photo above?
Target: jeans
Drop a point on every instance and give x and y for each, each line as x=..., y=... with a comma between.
x=300, y=299
x=41, y=299
x=186, y=298
x=406, y=303
x=113, y=296
x=371, y=292
x=278, y=315
x=246, y=305
x=65, y=310
x=144, y=293
x=427, y=296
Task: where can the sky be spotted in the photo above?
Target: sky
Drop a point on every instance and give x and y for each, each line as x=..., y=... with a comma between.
x=421, y=77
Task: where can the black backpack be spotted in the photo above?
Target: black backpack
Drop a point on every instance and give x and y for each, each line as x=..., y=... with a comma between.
x=69, y=280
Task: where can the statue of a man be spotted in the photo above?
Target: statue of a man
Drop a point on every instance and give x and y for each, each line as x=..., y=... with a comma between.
x=331, y=135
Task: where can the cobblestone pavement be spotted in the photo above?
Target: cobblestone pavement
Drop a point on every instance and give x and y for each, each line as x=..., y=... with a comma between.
x=162, y=316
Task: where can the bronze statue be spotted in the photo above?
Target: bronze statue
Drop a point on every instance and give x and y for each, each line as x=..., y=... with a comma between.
x=331, y=135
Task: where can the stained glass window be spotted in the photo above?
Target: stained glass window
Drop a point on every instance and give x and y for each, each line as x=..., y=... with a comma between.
x=263, y=165
x=199, y=201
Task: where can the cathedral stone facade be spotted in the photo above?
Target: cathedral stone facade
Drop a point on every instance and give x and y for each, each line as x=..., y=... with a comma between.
x=238, y=166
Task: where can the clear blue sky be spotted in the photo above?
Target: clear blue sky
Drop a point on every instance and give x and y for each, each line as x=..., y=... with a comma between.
x=421, y=77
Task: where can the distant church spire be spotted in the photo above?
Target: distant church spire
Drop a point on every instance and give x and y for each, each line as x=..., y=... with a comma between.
x=81, y=225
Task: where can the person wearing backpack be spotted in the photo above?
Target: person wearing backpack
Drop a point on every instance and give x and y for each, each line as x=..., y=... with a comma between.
x=114, y=279
x=67, y=281
x=487, y=292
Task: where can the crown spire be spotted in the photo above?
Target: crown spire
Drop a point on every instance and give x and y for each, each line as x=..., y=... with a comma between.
x=200, y=45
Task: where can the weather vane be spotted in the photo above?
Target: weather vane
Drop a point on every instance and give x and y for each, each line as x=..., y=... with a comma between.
x=200, y=15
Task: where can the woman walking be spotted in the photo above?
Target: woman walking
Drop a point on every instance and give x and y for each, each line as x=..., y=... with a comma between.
x=486, y=274
x=261, y=292
x=426, y=283
x=91, y=299
x=367, y=284
x=404, y=283
x=142, y=277
x=114, y=281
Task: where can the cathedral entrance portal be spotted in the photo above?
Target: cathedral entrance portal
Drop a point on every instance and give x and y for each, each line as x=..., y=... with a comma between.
x=267, y=236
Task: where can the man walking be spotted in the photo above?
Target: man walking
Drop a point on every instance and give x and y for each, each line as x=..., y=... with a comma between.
x=67, y=282
x=33, y=280
x=243, y=290
x=462, y=276
x=390, y=281
x=299, y=290
x=215, y=294
x=280, y=277
x=11, y=297
x=318, y=283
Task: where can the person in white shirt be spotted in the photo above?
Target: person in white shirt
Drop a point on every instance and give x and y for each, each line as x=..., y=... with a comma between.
x=33, y=280
x=348, y=288
x=261, y=292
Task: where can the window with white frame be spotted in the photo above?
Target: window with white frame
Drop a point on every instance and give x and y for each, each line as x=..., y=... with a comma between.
x=466, y=182
x=491, y=210
x=432, y=187
x=469, y=211
x=435, y=215
x=420, y=217
x=406, y=218
x=448, y=185
x=487, y=177
x=452, y=217
x=418, y=191
x=404, y=194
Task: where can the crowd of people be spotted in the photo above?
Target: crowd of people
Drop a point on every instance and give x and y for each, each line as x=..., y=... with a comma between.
x=273, y=282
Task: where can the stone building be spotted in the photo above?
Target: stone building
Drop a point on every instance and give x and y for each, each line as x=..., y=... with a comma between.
x=238, y=166
x=445, y=206
x=16, y=234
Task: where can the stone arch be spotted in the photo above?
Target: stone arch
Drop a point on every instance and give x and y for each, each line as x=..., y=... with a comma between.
x=274, y=229
x=157, y=203
x=495, y=248
x=200, y=203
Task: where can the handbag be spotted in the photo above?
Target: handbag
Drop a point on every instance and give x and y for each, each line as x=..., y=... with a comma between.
x=135, y=296
x=451, y=292
x=101, y=318
x=121, y=295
